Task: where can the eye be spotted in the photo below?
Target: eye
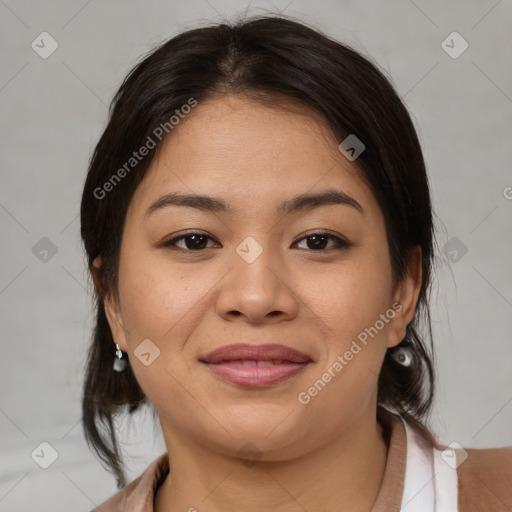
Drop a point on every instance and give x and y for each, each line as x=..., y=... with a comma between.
x=195, y=241
x=192, y=241
x=318, y=241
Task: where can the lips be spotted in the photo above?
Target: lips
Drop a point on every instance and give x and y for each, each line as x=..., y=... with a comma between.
x=256, y=365
x=246, y=352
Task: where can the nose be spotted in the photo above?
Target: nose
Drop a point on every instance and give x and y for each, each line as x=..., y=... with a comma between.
x=257, y=292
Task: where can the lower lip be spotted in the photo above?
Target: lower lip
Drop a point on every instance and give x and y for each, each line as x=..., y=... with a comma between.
x=256, y=376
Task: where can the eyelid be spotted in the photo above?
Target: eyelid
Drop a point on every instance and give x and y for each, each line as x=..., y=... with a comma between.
x=320, y=231
x=340, y=241
x=167, y=242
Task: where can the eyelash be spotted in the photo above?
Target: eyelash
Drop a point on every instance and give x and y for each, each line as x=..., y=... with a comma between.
x=341, y=244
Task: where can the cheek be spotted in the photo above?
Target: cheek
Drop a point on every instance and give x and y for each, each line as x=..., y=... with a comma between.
x=352, y=299
x=156, y=301
x=159, y=306
x=350, y=309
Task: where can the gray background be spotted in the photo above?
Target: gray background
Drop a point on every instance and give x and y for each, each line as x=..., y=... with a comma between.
x=52, y=112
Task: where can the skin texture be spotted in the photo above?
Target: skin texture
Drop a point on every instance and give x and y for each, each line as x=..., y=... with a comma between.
x=321, y=456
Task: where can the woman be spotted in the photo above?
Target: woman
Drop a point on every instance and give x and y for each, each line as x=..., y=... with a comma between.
x=258, y=224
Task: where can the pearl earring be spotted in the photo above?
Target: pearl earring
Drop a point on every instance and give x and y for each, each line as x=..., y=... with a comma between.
x=403, y=354
x=119, y=361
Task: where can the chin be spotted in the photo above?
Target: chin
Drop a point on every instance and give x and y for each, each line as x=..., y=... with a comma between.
x=272, y=438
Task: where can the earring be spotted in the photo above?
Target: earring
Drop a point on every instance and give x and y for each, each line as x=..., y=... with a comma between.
x=403, y=354
x=119, y=361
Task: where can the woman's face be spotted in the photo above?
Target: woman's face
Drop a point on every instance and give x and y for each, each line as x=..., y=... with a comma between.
x=255, y=274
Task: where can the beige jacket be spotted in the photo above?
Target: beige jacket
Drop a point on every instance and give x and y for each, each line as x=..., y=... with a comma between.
x=480, y=483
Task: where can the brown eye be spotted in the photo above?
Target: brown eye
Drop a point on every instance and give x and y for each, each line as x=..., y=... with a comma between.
x=319, y=241
x=192, y=241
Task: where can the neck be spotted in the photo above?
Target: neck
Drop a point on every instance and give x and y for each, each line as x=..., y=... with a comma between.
x=343, y=474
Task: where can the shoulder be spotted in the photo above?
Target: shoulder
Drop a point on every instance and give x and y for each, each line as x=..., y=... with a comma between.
x=139, y=493
x=485, y=479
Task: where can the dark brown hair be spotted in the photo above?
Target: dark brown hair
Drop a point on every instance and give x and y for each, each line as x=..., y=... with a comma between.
x=262, y=57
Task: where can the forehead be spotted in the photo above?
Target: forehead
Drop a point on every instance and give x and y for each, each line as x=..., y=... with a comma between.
x=250, y=154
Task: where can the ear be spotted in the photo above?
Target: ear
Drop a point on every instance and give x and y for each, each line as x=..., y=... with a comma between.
x=406, y=293
x=111, y=305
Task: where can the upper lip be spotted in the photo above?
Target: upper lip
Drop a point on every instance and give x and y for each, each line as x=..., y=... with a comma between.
x=247, y=352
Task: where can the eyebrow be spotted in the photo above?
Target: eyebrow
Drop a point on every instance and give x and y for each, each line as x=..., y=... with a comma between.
x=294, y=205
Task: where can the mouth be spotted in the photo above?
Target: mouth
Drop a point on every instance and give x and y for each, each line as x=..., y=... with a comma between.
x=256, y=366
